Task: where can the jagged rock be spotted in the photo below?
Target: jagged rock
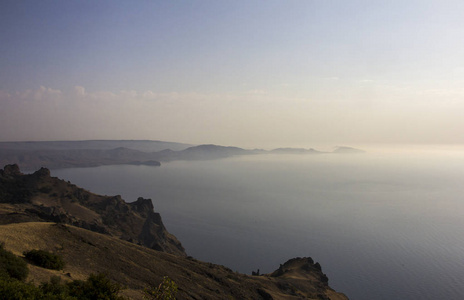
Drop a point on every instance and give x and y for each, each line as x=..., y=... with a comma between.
x=301, y=266
x=42, y=172
x=142, y=206
x=39, y=196
x=10, y=171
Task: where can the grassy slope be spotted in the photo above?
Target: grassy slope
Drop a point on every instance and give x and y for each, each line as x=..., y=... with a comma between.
x=137, y=267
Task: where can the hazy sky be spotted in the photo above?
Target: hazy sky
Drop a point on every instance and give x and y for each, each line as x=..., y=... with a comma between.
x=244, y=73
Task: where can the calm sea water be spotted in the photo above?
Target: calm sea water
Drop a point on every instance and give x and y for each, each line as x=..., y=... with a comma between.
x=382, y=225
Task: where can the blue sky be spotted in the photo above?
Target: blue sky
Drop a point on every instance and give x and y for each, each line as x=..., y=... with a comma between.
x=245, y=73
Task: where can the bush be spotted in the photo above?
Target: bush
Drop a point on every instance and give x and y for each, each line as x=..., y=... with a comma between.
x=13, y=271
x=12, y=289
x=54, y=288
x=12, y=266
x=45, y=259
x=95, y=287
x=166, y=290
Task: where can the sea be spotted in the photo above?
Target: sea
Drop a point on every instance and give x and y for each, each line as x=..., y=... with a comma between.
x=385, y=224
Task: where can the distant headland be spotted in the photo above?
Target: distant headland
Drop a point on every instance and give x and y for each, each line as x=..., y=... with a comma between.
x=93, y=153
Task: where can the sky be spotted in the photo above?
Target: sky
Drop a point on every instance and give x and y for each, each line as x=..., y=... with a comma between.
x=255, y=74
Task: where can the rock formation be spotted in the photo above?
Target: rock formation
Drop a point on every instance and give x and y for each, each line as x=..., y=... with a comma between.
x=40, y=197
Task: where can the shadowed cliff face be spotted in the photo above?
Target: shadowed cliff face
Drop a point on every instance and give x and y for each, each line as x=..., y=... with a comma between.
x=40, y=197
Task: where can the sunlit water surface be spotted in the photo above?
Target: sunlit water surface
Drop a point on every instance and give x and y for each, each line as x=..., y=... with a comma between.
x=382, y=225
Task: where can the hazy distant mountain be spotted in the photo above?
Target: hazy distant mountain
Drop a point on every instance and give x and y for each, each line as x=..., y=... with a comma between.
x=343, y=149
x=205, y=152
x=141, y=145
x=295, y=151
x=34, y=159
x=69, y=154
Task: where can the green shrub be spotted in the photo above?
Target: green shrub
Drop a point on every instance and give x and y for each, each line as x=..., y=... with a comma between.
x=11, y=265
x=166, y=290
x=95, y=287
x=45, y=259
x=54, y=288
x=12, y=289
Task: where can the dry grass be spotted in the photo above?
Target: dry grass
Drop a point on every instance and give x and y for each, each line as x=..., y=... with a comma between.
x=138, y=267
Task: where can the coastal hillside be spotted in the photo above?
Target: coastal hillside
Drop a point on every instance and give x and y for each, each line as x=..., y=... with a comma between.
x=129, y=243
x=40, y=197
x=137, y=267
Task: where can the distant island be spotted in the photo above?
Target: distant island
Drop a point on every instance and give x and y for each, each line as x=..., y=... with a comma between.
x=342, y=149
x=94, y=234
x=93, y=153
x=295, y=151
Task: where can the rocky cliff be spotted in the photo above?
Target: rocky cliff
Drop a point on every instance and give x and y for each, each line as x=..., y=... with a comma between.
x=40, y=197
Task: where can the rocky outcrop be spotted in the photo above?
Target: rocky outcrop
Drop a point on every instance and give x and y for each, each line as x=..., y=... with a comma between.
x=295, y=274
x=42, y=173
x=10, y=171
x=301, y=267
x=40, y=197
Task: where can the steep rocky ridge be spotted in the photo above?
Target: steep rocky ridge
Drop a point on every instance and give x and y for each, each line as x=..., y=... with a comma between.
x=40, y=197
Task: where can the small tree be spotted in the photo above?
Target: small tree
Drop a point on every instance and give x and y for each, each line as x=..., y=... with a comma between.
x=166, y=290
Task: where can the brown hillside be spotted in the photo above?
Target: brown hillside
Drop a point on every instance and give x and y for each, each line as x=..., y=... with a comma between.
x=138, y=267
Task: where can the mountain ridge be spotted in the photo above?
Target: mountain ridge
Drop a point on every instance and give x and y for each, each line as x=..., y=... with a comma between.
x=32, y=159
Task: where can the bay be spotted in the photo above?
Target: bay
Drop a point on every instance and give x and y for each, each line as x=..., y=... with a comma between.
x=383, y=225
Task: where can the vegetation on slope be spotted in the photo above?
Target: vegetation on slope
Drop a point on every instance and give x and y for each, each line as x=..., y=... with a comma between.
x=12, y=266
x=14, y=271
x=138, y=268
x=44, y=259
